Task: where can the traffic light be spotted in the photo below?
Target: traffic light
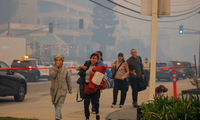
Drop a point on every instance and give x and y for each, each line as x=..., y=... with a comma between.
x=88, y=48
x=80, y=23
x=180, y=29
x=50, y=27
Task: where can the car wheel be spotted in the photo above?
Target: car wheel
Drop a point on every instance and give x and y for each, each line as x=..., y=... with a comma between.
x=36, y=79
x=21, y=93
x=170, y=78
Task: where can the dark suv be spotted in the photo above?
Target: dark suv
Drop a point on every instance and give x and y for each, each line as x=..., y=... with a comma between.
x=12, y=83
x=32, y=74
x=165, y=73
x=184, y=72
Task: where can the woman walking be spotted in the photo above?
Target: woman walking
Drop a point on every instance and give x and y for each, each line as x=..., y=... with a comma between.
x=94, y=97
x=120, y=80
x=60, y=83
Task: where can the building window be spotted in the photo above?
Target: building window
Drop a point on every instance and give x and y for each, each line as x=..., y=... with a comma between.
x=46, y=6
x=48, y=20
x=72, y=11
x=20, y=21
x=38, y=21
x=60, y=21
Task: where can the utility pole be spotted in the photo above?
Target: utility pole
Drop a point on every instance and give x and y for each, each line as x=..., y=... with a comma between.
x=153, y=48
x=9, y=19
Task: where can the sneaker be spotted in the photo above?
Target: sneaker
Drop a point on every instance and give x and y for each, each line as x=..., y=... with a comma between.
x=113, y=105
x=93, y=112
x=120, y=106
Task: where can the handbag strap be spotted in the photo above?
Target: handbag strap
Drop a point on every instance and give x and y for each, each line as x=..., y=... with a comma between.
x=118, y=68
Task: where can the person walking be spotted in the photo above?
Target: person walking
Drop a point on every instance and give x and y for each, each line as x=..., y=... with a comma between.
x=135, y=74
x=94, y=97
x=108, y=72
x=60, y=83
x=120, y=80
x=146, y=65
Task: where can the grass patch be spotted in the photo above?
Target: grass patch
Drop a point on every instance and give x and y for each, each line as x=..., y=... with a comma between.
x=11, y=118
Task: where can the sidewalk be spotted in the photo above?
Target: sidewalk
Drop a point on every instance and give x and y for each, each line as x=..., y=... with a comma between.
x=43, y=109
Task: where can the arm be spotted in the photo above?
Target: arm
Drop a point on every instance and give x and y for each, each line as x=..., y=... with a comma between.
x=109, y=73
x=68, y=80
x=127, y=70
x=53, y=72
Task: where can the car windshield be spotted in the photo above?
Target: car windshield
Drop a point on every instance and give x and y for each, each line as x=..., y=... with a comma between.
x=161, y=64
x=67, y=64
x=22, y=63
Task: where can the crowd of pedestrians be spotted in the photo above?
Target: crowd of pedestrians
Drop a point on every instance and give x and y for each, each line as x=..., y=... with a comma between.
x=123, y=73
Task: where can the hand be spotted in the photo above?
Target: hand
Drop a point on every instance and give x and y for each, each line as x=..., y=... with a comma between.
x=123, y=77
x=134, y=73
x=91, y=72
x=143, y=76
x=83, y=67
x=70, y=91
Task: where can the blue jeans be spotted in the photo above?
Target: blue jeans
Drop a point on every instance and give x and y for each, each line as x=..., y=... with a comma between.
x=58, y=107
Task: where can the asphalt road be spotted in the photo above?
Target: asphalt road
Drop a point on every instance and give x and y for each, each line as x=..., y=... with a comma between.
x=36, y=90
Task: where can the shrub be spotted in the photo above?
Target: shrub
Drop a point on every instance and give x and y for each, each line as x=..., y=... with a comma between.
x=164, y=108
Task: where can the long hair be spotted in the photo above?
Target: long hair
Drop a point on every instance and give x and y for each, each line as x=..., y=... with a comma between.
x=101, y=54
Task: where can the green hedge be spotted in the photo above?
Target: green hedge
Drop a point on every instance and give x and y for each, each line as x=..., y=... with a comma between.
x=164, y=108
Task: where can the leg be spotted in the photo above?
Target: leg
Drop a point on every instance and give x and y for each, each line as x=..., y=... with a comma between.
x=124, y=84
x=58, y=107
x=133, y=83
x=95, y=100
x=86, y=106
x=115, y=91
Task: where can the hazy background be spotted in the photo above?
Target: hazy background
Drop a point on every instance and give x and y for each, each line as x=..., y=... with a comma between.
x=109, y=31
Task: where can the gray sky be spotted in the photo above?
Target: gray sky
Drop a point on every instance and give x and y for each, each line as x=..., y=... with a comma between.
x=174, y=45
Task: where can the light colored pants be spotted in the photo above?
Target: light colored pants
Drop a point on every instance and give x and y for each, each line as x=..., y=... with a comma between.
x=58, y=107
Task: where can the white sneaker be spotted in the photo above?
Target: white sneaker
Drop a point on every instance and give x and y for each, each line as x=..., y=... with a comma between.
x=113, y=105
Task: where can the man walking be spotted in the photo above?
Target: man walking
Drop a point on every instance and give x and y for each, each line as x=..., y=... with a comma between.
x=136, y=73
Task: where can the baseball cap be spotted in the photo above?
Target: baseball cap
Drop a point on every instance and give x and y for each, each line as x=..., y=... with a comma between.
x=121, y=54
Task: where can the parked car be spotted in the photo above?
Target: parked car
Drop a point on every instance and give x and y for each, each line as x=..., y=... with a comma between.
x=72, y=64
x=32, y=74
x=184, y=72
x=165, y=73
x=12, y=83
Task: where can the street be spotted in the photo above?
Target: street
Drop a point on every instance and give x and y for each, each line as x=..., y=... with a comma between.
x=36, y=90
x=37, y=103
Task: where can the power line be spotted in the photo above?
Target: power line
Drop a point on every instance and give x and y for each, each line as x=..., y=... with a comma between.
x=123, y=6
x=171, y=12
x=186, y=4
x=139, y=12
x=132, y=3
x=120, y=12
x=185, y=10
x=137, y=17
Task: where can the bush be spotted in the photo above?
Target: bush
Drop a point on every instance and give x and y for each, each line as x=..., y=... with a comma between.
x=164, y=108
